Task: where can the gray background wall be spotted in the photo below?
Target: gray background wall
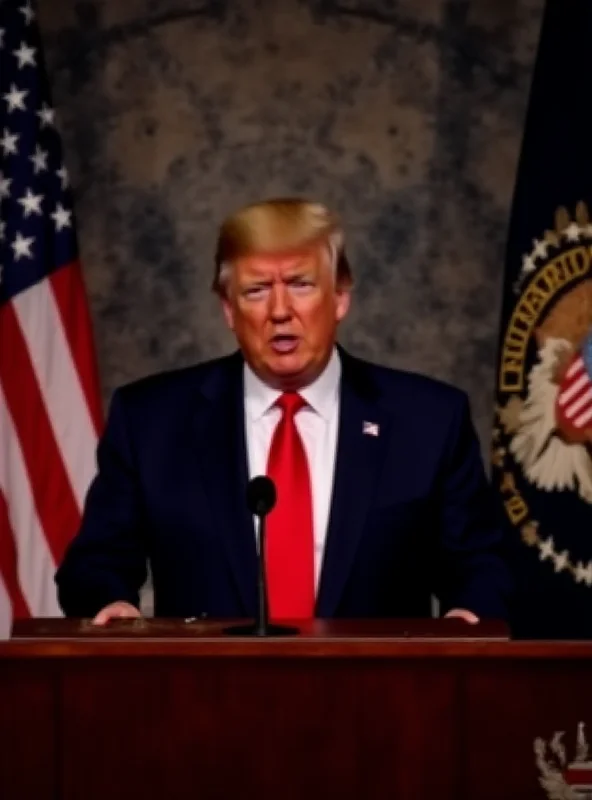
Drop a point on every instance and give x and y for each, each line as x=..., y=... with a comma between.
x=404, y=115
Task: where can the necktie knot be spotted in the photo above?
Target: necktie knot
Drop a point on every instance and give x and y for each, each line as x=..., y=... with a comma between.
x=290, y=403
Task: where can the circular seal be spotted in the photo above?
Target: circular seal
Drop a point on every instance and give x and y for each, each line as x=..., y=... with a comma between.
x=542, y=441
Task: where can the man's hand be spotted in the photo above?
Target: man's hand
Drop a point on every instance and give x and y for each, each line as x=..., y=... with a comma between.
x=463, y=613
x=119, y=610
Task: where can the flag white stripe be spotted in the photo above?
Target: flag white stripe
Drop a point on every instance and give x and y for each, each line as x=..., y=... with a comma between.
x=577, y=366
x=39, y=318
x=580, y=421
x=578, y=404
x=566, y=396
x=5, y=612
x=35, y=565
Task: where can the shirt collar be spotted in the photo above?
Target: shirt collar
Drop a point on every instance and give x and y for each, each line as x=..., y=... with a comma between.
x=321, y=394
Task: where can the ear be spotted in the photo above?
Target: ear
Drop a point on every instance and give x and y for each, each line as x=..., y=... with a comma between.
x=342, y=302
x=228, y=312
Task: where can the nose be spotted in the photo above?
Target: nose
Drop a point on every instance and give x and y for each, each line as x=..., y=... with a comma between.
x=280, y=309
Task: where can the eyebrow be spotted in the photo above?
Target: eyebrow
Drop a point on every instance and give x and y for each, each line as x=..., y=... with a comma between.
x=254, y=281
x=297, y=274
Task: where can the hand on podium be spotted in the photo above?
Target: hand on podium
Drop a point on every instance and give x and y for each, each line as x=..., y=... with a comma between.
x=119, y=610
x=463, y=613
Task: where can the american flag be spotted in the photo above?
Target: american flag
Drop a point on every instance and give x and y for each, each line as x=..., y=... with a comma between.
x=370, y=428
x=50, y=412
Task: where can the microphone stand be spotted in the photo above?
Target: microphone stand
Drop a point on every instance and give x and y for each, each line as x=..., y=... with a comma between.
x=262, y=626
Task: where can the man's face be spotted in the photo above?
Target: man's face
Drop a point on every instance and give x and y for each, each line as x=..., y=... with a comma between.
x=284, y=310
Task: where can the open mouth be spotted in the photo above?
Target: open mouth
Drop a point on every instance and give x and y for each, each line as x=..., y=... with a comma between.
x=284, y=343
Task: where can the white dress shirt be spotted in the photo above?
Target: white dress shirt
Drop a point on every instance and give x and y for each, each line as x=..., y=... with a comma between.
x=317, y=424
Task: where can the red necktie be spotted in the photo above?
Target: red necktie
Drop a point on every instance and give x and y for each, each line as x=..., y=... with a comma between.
x=289, y=540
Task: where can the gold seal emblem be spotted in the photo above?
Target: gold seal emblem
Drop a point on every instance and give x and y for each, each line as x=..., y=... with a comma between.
x=542, y=439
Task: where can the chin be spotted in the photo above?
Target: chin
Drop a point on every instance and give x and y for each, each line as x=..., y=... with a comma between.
x=290, y=376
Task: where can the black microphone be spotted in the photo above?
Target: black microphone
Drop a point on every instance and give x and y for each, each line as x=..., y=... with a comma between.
x=261, y=498
x=261, y=495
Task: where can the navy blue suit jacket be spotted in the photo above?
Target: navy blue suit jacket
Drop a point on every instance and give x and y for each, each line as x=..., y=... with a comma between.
x=411, y=513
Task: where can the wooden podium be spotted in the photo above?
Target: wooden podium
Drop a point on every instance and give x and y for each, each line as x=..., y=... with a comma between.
x=176, y=709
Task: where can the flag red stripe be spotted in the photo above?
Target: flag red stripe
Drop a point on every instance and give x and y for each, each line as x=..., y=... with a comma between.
x=70, y=295
x=8, y=564
x=54, y=498
x=579, y=777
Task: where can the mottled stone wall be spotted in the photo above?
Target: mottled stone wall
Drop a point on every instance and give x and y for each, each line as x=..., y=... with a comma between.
x=405, y=115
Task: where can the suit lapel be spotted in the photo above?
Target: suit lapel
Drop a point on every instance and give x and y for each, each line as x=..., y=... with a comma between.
x=361, y=442
x=221, y=447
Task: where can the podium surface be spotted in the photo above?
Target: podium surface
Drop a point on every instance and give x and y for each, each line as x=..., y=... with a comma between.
x=348, y=709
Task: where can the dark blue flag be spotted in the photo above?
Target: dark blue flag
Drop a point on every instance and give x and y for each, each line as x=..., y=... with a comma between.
x=542, y=439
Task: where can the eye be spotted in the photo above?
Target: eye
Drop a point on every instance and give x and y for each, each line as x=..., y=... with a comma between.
x=255, y=292
x=301, y=284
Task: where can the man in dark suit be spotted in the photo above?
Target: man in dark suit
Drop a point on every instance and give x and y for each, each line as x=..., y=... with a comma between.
x=382, y=497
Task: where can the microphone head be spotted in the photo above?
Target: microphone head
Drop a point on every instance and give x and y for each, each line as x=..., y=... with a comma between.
x=261, y=495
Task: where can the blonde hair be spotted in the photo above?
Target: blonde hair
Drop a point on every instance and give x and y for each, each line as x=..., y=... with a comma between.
x=279, y=225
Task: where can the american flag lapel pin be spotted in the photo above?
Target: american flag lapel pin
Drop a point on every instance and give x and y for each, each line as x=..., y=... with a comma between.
x=370, y=428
